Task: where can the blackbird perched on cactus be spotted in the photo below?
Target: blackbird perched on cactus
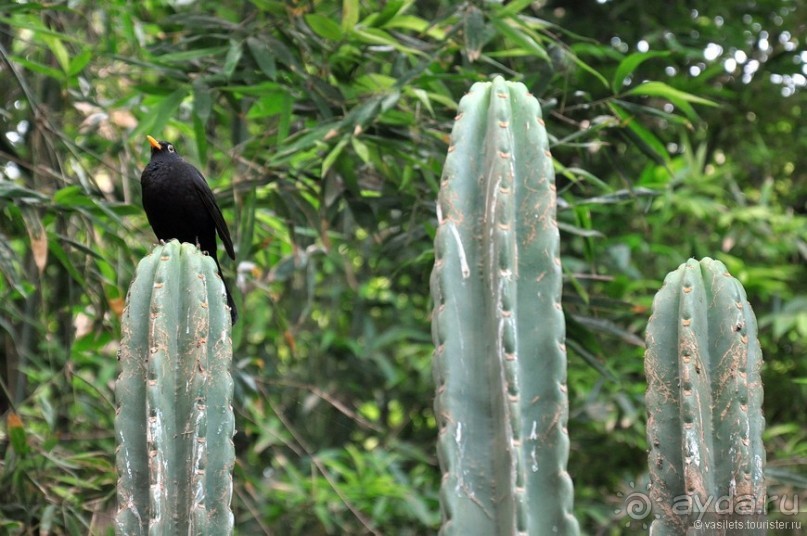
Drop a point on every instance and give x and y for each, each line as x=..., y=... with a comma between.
x=180, y=205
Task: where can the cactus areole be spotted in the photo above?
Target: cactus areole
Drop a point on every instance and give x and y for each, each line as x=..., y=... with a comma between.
x=704, y=401
x=174, y=422
x=498, y=327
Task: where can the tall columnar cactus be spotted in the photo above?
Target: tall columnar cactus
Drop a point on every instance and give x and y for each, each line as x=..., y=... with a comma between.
x=704, y=399
x=498, y=327
x=174, y=422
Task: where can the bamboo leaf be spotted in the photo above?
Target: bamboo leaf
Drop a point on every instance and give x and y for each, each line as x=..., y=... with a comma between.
x=660, y=89
x=80, y=61
x=324, y=27
x=681, y=99
x=37, y=236
x=628, y=65
x=59, y=51
x=642, y=137
x=328, y=161
x=263, y=57
x=350, y=14
x=233, y=57
x=159, y=116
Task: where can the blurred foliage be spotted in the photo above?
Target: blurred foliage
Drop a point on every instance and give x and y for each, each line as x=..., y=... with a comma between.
x=677, y=132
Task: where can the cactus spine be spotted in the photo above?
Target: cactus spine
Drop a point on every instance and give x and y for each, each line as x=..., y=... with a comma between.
x=174, y=422
x=704, y=399
x=498, y=326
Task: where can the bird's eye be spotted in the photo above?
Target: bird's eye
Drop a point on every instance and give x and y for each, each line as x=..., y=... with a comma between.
x=170, y=148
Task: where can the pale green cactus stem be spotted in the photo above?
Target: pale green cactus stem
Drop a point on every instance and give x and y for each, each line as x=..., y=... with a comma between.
x=498, y=326
x=704, y=400
x=174, y=422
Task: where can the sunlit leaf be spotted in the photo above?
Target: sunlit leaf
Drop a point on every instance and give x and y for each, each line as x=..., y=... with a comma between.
x=350, y=14
x=331, y=157
x=324, y=27
x=390, y=10
x=423, y=97
x=660, y=89
x=59, y=51
x=79, y=61
x=361, y=149
x=679, y=98
x=376, y=36
x=271, y=103
x=37, y=67
x=415, y=24
x=515, y=7
x=233, y=57
x=156, y=119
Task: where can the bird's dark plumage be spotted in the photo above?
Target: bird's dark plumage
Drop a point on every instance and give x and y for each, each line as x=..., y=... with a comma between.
x=180, y=205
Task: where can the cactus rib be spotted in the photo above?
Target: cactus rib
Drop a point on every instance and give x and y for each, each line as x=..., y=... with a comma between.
x=704, y=397
x=174, y=421
x=498, y=327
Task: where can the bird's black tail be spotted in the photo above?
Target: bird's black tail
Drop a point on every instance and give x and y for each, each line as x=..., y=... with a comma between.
x=230, y=301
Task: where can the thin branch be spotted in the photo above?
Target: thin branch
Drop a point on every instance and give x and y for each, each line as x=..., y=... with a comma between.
x=338, y=405
x=324, y=472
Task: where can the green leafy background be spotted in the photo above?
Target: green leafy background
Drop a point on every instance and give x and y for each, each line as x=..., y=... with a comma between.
x=676, y=129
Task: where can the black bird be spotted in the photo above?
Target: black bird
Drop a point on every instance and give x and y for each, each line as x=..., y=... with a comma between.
x=180, y=205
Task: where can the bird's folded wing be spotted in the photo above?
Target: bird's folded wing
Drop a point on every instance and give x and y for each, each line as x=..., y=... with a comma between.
x=206, y=194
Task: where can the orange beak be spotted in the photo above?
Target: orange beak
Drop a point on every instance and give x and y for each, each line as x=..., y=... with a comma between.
x=154, y=143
